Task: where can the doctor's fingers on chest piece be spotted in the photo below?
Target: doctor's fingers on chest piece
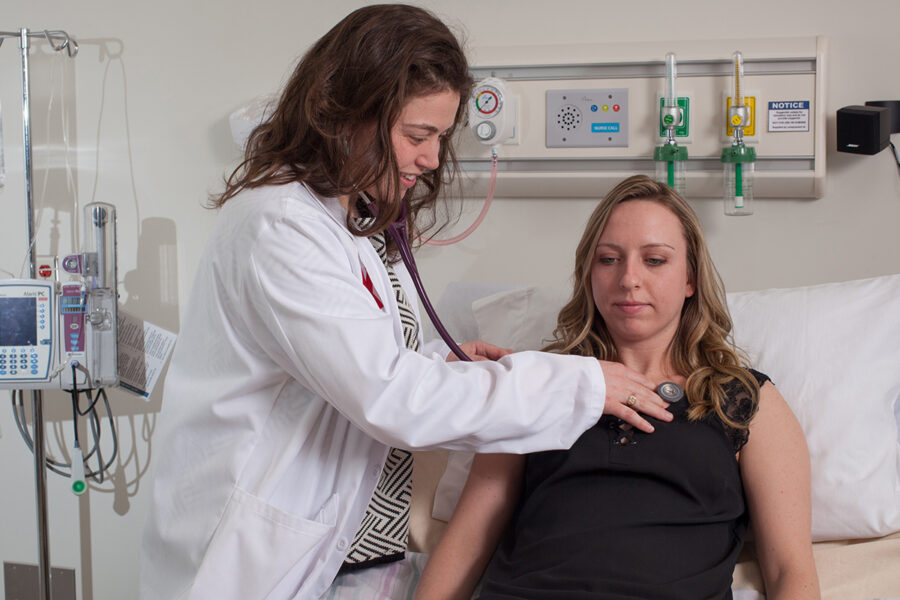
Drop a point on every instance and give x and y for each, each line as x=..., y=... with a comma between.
x=629, y=393
x=481, y=350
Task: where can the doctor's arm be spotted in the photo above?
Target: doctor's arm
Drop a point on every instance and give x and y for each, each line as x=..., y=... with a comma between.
x=775, y=470
x=620, y=382
x=319, y=323
x=484, y=509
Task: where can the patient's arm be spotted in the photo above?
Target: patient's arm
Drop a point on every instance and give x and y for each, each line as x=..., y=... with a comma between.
x=485, y=506
x=775, y=472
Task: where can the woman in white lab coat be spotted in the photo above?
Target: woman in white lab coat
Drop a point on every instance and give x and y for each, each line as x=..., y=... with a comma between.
x=299, y=377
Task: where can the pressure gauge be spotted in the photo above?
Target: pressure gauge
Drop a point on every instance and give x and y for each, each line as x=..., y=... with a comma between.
x=487, y=100
x=492, y=112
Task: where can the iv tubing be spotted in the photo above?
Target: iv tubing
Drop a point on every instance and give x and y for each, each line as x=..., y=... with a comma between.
x=481, y=216
x=40, y=473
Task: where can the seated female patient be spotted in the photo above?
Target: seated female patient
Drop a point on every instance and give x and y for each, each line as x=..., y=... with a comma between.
x=627, y=514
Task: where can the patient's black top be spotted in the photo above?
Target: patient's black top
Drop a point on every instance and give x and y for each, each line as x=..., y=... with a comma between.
x=624, y=514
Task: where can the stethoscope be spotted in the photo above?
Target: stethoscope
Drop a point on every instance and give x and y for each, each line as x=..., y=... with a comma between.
x=397, y=231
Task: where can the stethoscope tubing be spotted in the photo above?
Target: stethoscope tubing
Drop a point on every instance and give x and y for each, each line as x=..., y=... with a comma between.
x=398, y=232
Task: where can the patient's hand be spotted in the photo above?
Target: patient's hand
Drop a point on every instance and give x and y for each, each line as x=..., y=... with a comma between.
x=629, y=393
x=480, y=350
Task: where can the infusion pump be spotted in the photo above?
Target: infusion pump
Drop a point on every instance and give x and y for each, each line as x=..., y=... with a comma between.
x=63, y=334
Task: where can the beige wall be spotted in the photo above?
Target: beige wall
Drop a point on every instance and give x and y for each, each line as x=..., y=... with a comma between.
x=147, y=102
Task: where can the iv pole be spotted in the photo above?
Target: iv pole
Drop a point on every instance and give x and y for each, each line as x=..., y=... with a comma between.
x=58, y=40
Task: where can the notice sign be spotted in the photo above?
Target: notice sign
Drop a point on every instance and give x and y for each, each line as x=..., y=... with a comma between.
x=789, y=115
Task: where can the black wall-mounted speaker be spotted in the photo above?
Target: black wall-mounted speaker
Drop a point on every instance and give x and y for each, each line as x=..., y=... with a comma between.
x=894, y=105
x=863, y=129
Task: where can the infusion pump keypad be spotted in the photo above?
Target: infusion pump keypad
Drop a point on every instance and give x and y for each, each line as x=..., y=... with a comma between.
x=26, y=331
x=24, y=363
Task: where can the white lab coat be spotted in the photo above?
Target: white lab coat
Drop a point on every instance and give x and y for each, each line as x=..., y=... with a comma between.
x=287, y=386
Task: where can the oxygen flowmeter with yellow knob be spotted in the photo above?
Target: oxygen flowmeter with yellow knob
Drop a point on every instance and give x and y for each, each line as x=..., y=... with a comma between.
x=738, y=159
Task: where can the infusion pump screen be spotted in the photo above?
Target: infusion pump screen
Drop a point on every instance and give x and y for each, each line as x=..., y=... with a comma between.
x=18, y=325
x=26, y=333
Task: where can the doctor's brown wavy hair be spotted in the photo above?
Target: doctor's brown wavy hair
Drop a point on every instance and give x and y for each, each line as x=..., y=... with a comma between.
x=702, y=349
x=331, y=127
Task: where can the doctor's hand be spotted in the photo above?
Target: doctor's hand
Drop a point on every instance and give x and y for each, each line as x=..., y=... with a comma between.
x=480, y=350
x=628, y=393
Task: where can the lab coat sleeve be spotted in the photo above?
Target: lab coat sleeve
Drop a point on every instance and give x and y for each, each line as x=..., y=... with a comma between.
x=311, y=314
x=436, y=346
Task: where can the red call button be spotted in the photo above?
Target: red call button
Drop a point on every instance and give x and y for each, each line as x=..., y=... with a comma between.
x=45, y=271
x=616, y=107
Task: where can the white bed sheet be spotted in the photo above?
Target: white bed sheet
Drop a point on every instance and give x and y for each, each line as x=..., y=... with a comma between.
x=398, y=580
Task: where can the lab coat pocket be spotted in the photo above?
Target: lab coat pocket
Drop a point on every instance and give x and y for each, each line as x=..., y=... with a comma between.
x=255, y=545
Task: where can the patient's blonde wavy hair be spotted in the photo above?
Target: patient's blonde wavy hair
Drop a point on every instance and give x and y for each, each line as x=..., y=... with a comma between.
x=702, y=350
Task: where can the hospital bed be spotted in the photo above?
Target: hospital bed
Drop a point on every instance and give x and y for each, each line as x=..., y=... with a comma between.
x=833, y=350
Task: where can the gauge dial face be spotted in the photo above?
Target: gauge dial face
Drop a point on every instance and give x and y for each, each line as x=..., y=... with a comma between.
x=487, y=100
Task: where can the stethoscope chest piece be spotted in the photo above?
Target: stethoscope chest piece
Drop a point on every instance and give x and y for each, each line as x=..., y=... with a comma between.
x=670, y=391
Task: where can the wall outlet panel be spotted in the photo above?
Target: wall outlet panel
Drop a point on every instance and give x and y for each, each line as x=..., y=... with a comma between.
x=683, y=131
x=587, y=118
x=558, y=155
x=750, y=127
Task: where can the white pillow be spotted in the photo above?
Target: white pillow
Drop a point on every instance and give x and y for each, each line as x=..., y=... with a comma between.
x=521, y=319
x=833, y=351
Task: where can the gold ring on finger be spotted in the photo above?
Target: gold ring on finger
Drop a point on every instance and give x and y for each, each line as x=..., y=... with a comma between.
x=632, y=400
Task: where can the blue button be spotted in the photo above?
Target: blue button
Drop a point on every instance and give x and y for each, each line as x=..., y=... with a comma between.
x=34, y=372
x=2, y=371
x=33, y=355
x=593, y=108
x=13, y=372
